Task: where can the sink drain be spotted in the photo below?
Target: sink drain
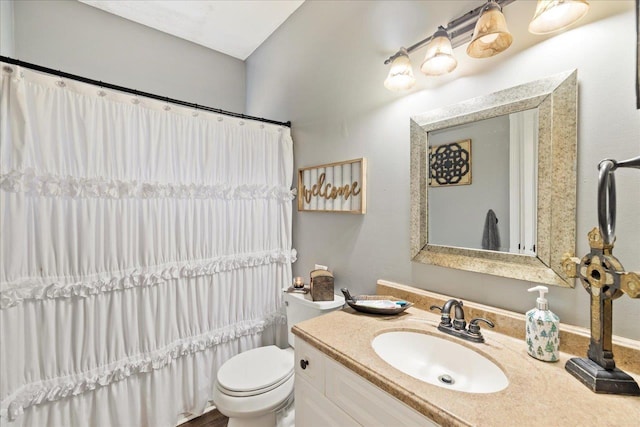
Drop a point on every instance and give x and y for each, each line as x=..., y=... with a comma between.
x=446, y=379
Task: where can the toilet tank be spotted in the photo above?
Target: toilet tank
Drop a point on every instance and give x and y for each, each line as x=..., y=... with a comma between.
x=300, y=307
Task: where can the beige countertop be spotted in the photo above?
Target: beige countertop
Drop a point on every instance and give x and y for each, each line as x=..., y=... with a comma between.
x=539, y=393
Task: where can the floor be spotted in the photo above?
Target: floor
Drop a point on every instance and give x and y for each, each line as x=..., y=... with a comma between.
x=210, y=419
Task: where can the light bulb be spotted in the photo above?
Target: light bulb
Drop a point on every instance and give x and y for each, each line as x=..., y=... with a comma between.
x=439, y=58
x=400, y=74
x=555, y=15
x=491, y=35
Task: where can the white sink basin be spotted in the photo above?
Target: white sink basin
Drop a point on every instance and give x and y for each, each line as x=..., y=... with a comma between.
x=440, y=362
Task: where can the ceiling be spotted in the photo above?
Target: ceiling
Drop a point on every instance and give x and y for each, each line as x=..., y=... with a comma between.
x=235, y=28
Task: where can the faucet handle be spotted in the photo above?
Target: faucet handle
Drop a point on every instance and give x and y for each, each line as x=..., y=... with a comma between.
x=474, y=328
x=445, y=320
x=436, y=307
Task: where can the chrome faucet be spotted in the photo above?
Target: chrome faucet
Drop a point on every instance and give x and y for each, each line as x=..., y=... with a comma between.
x=458, y=327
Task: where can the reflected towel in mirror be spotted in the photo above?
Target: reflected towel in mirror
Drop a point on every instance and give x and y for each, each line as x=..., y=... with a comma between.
x=490, y=235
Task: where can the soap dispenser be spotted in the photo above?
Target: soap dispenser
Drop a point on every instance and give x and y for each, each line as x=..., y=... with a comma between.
x=543, y=340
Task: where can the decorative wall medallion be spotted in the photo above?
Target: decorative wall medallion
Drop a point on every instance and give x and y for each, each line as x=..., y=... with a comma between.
x=450, y=164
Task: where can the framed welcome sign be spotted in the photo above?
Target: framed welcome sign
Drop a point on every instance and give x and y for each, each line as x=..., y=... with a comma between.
x=334, y=187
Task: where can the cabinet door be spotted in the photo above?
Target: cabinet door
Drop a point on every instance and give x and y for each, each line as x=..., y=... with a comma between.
x=313, y=409
x=309, y=364
x=365, y=402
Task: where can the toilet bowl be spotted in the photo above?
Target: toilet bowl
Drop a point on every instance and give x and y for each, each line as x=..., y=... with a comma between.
x=253, y=386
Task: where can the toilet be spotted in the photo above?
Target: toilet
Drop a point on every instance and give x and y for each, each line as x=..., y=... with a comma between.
x=253, y=386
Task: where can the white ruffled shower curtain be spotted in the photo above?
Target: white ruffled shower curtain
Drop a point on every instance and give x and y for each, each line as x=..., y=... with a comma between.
x=143, y=244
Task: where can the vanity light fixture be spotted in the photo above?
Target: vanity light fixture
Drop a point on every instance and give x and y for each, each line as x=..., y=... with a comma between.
x=490, y=35
x=485, y=27
x=439, y=58
x=556, y=15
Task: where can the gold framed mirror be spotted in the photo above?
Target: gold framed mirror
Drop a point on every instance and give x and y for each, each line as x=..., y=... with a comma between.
x=553, y=101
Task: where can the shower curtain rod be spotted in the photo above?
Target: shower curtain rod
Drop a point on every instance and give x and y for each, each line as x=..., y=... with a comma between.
x=136, y=92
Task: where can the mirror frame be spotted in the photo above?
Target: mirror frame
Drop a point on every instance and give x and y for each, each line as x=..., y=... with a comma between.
x=555, y=98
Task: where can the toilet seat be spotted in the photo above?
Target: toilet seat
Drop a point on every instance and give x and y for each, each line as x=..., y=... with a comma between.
x=244, y=388
x=244, y=375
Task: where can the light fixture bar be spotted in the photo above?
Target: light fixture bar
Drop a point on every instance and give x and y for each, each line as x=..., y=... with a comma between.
x=460, y=30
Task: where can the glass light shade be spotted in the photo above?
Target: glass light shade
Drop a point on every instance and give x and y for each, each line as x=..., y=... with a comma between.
x=400, y=75
x=439, y=58
x=555, y=15
x=491, y=35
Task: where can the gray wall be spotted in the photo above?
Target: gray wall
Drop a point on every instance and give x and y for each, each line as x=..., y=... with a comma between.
x=80, y=39
x=323, y=69
x=457, y=213
x=6, y=28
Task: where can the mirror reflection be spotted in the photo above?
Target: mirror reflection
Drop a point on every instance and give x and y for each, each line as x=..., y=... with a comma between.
x=482, y=184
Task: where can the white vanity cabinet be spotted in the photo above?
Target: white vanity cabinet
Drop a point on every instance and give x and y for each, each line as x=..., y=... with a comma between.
x=328, y=394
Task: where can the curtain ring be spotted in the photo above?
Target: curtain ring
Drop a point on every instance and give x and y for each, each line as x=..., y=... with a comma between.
x=60, y=83
x=101, y=92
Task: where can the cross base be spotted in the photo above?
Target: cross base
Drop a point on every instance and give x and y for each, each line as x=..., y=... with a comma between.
x=600, y=380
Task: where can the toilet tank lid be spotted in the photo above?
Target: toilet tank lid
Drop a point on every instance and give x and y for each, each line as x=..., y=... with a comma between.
x=255, y=369
x=305, y=299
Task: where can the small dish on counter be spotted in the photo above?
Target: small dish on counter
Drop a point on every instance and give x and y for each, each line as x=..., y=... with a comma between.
x=376, y=304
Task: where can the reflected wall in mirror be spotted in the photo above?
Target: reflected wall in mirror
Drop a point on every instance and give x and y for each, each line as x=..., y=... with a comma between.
x=524, y=176
x=497, y=211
